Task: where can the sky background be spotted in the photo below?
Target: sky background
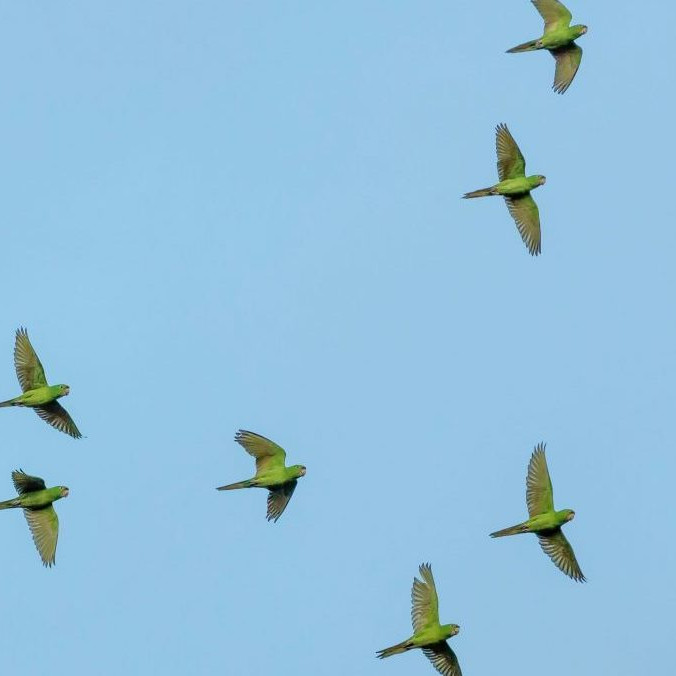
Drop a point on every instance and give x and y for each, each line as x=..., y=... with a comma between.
x=247, y=214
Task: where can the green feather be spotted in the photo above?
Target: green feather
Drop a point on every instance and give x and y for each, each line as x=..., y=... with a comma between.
x=559, y=39
x=429, y=635
x=544, y=520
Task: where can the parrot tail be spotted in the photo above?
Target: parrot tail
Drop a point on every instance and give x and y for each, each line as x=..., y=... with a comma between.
x=240, y=484
x=395, y=649
x=9, y=402
x=512, y=530
x=525, y=47
x=484, y=192
x=8, y=504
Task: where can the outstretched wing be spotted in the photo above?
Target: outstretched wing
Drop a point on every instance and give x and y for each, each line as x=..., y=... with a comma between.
x=511, y=163
x=443, y=659
x=25, y=483
x=424, y=600
x=539, y=494
x=278, y=499
x=57, y=416
x=526, y=215
x=557, y=547
x=568, y=60
x=267, y=453
x=554, y=13
x=29, y=370
x=44, y=525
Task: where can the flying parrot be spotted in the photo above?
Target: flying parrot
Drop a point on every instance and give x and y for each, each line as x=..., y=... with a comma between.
x=271, y=472
x=37, y=394
x=428, y=634
x=559, y=38
x=36, y=501
x=515, y=187
x=544, y=520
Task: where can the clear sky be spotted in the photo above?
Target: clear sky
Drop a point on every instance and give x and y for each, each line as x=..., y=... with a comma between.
x=247, y=214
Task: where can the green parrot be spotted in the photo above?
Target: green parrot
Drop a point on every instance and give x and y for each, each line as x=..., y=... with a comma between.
x=515, y=187
x=271, y=472
x=544, y=520
x=559, y=39
x=428, y=634
x=36, y=501
x=37, y=394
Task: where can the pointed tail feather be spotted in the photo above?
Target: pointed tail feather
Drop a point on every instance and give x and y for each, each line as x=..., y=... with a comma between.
x=512, y=530
x=395, y=649
x=9, y=402
x=484, y=192
x=8, y=504
x=239, y=484
x=524, y=47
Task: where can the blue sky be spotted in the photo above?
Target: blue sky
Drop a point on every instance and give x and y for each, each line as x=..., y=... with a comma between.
x=221, y=215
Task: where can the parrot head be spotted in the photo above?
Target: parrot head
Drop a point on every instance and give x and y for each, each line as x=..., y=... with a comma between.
x=542, y=180
x=570, y=514
x=580, y=29
x=63, y=390
x=64, y=491
x=450, y=629
x=300, y=470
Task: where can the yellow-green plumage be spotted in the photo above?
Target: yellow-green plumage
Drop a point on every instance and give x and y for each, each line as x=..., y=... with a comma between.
x=559, y=39
x=544, y=520
x=36, y=501
x=37, y=393
x=515, y=187
x=429, y=635
x=271, y=472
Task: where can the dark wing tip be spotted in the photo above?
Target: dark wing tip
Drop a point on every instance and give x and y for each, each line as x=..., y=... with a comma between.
x=425, y=568
x=540, y=448
x=242, y=435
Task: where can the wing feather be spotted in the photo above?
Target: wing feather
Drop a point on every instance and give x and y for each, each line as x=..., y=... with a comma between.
x=511, y=163
x=25, y=483
x=57, y=416
x=557, y=547
x=568, y=60
x=424, y=600
x=29, y=370
x=278, y=499
x=443, y=659
x=526, y=215
x=539, y=493
x=44, y=525
x=267, y=453
x=555, y=14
